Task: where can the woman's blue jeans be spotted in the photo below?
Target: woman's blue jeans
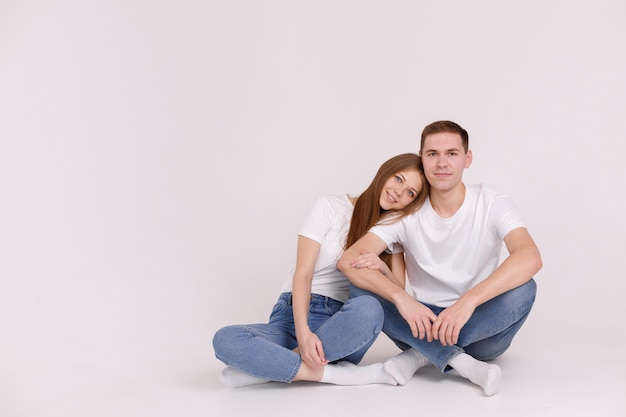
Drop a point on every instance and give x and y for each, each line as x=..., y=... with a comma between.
x=266, y=350
x=486, y=335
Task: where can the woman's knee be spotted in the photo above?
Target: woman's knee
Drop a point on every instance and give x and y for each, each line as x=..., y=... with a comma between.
x=368, y=310
x=226, y=340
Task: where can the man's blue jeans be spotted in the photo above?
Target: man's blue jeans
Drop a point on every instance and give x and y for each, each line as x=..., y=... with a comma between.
x=266, y=350
x=486, y=335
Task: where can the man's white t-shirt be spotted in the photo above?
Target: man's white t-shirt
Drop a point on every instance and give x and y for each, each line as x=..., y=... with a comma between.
x=445, y=257
x=327, y=223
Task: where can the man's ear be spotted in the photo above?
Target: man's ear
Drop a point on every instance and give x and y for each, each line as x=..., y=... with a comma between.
x=468, y=158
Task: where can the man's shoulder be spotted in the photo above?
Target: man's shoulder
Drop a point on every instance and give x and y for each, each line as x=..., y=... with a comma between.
x=493, y=204
x=480, y=188
x=482, y=191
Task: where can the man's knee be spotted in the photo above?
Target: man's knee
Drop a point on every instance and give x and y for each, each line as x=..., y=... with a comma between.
x=532, y=288
x=522, y=298
x=527, y=291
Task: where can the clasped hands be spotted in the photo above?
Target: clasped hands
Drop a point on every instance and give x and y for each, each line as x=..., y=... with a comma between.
x=445, y=327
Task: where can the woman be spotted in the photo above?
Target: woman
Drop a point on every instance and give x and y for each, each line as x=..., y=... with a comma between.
x=315, y=333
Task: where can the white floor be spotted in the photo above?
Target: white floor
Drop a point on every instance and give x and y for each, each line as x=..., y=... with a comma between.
x=543, y=375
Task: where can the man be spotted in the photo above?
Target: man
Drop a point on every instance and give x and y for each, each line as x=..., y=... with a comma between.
x=467, y=306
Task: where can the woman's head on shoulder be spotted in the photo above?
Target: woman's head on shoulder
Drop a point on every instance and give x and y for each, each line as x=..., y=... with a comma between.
x=398, y=189
x=400, y=184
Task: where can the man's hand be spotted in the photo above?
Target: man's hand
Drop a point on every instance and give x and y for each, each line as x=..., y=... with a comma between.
x=448, y=325
x=418, y=316
x=311, y=350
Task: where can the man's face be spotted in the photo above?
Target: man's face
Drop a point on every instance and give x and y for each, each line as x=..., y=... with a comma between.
x=444, y=160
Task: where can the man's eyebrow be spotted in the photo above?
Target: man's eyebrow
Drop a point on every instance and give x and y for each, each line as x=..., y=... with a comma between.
x=445, y=150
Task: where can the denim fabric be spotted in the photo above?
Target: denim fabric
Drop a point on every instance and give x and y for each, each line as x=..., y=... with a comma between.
x=265, y=350
x=486, y=335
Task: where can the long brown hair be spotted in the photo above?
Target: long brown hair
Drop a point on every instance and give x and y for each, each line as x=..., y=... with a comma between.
x=367, y=211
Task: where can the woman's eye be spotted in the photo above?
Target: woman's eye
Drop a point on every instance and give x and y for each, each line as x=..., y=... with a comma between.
x=398, y=178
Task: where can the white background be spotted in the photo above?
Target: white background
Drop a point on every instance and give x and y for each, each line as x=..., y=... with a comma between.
x=157, y=158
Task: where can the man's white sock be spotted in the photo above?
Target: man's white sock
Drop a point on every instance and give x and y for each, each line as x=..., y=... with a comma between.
x=234, y=378
x=480, y=373
x=403, y=365
x=346, y=373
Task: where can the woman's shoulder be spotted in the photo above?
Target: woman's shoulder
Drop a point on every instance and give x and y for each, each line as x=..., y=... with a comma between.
x=341, y=200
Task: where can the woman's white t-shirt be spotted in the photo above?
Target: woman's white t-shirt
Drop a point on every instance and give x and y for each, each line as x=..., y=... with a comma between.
x=327, y=223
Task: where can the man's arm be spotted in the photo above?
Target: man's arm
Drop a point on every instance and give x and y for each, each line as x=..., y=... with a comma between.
x=523, y=262
x=418, y=316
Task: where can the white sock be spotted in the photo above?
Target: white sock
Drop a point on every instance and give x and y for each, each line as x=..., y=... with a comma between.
x=403, y=365
x=234, y=378
x=480, y=373
x=346, y=373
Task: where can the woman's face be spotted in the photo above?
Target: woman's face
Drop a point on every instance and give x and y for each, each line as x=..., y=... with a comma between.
x=400, y=190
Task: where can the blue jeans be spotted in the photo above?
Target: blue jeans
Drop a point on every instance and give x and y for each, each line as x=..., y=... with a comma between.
x=266, y=350
x=486, y=335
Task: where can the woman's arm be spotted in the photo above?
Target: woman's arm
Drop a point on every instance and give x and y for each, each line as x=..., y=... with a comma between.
x=398, y=269
x=309, y=345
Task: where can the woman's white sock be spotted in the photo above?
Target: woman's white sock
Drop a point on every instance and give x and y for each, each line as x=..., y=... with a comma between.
x=234, y=378
x=485, y=375
x=346, y=373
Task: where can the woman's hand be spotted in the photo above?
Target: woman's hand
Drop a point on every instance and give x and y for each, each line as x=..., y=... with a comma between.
x=311, y=349
x=371, y=261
